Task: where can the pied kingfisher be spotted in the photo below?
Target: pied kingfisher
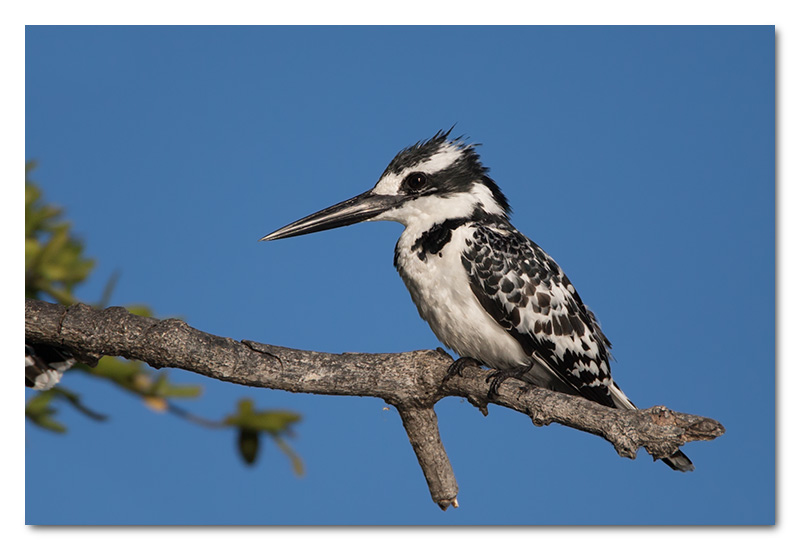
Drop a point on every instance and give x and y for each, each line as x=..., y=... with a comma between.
x=488, y=292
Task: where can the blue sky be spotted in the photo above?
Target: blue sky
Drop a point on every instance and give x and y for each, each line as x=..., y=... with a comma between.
x=641, y=158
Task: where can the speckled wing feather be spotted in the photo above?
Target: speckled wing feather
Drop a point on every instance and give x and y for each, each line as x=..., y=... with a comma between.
x=529, y=295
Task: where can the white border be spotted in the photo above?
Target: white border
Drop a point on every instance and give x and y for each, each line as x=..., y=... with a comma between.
x=770, y=12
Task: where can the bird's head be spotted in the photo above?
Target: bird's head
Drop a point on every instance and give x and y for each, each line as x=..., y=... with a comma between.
x=427, y=183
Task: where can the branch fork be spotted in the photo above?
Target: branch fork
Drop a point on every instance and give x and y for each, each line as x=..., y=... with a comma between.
x=411, y=381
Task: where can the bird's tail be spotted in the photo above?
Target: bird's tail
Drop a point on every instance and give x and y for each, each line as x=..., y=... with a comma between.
x=678, y=461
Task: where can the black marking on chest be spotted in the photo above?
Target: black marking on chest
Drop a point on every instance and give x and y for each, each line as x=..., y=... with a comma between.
x=435, y=238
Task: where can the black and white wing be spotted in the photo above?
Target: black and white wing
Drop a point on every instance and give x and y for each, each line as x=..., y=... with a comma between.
x=528, y=294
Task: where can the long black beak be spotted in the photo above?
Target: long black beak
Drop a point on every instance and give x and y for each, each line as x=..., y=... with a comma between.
x=358, y=209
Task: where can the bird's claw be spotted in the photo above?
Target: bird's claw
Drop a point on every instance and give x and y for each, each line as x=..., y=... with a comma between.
x=457, y=367
x=497, y=377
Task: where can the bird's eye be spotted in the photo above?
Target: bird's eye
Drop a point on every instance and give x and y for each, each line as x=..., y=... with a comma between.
x=415, y=181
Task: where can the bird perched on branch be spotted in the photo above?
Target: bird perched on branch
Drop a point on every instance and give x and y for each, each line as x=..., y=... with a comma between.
x=488, y=292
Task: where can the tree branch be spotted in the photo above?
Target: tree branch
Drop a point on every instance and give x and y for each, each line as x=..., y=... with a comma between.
x=412, y=382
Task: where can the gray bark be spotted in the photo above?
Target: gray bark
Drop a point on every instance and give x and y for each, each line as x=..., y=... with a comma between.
x=412, y=382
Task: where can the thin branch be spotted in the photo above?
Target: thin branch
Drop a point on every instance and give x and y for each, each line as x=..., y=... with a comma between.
x=423, y=433
x=411, y=381
x=199, y=420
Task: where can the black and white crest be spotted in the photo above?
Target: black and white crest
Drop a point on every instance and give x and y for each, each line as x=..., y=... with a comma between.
x=458, y=175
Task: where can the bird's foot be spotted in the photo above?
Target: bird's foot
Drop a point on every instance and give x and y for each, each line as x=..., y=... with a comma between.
x=497, y=377
x=457, y=367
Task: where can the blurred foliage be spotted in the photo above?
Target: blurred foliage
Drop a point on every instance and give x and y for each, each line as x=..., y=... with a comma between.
x=54, y=265
x=39, y=411
x=251, y=423
x=54, y=261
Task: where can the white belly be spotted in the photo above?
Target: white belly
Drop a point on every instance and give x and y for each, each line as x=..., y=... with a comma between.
x=440, y=288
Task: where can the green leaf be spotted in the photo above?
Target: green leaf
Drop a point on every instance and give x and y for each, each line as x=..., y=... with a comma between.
x=245, y=408
x=183, y=391
x=159, y=386
x=116, y=370
x=38, y=411
x=48, y=423
x=275, y=421
x=139, y=309
x=272, y=421
x=39, y=403
x=54, y=260
x=134, y=377
x=248, y=445
x=54, y=265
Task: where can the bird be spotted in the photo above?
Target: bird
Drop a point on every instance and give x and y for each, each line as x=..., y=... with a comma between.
x=487, y=291
x=45, y=365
